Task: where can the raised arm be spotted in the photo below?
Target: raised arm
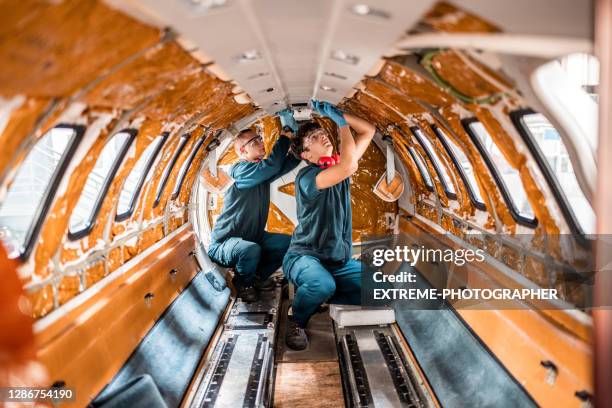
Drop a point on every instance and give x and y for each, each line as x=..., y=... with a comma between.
x=351, y=149
x=289, y=127
x=348, y=162
x=289, y=164
x=364, y=133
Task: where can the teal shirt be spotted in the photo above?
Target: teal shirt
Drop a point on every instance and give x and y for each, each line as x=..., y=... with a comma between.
x=247, y=201
x=324, y=219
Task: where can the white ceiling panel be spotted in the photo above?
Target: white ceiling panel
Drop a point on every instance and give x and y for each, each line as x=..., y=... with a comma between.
x=288, y=51
x=286, y=46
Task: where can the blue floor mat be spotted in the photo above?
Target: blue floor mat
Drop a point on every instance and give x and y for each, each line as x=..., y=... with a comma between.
x=172, y=349
x=459, y=368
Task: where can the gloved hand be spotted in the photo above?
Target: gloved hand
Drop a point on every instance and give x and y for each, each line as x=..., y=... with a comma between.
x=287, y=119
x=317, y=107
x=329, y=110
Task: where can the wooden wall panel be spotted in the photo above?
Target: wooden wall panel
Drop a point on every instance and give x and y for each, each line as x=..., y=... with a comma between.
x=87, y=344
x=522, y=338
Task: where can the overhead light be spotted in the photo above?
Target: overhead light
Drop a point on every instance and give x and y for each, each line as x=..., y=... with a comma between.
x=334, y=75
x=361, y=9
x=365, y=10
x=203, y=5
x=210, y=3
x=345, y=57
x=258, y=75
x=328, y=88
x=249, y=55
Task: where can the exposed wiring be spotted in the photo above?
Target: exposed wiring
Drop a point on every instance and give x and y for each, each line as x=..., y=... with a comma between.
x=426, y=62
x=483, y=73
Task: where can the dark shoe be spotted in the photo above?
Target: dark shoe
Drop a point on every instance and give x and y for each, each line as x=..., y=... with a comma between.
x=322, y=309
x=248, y=294
x=295, y=337
x=268, y=284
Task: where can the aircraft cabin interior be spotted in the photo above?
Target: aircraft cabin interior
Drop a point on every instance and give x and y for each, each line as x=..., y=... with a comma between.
x=489, y=132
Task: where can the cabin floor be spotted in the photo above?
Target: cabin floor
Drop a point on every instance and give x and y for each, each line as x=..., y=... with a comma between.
x=308, y=384
x=300, y=375
x=251, y=366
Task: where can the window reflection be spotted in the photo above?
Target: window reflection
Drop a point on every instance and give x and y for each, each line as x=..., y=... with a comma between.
x=465, y=167
x=183, y=171
x=136, y=178
x=164, y=180
x=553, y=149
x=96, y=186
x=445, y=178
x=510, y=176
x=416, y=156
x=33, y=182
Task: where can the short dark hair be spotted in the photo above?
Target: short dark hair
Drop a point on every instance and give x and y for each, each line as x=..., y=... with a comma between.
x=244, y=131
x=297, y=145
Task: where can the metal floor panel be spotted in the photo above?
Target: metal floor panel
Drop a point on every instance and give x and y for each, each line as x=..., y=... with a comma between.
x=381, y=385
x=238, y=373
x=374, y=369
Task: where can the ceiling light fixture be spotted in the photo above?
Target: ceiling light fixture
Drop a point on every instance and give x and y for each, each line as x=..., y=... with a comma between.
x=204, y=5
x=328, y=88
x=365, y=10
x=334, y=75
x=258, y=75
x=249, y=55
x=345, y=57
x=361, y=9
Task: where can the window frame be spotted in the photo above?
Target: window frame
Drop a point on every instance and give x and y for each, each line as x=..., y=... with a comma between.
x=91, y=222
x=127, y=214
x=478, y=204
x=183, y=172
x=551, y=179
x=184, y=139
x=449, y=194
x=49, y=194
x=501, y=184
x=412, y=153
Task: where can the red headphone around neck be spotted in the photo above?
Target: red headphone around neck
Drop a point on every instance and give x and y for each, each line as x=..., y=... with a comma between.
x=326, y=162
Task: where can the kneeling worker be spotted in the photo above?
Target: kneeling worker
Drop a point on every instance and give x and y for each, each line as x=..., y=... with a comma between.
x=239, y=239
x=319, y=261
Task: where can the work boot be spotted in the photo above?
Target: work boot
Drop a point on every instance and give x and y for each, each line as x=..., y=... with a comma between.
x=248, y=294
x=267, y=285
x=295, y=337
x=322, y=309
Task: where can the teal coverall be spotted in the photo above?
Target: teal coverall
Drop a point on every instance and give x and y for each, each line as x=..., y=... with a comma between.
x=318, y=261
x=239, y=239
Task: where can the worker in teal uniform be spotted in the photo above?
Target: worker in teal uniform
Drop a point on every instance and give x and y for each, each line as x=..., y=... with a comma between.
x=319, y=261
x=239, y=239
